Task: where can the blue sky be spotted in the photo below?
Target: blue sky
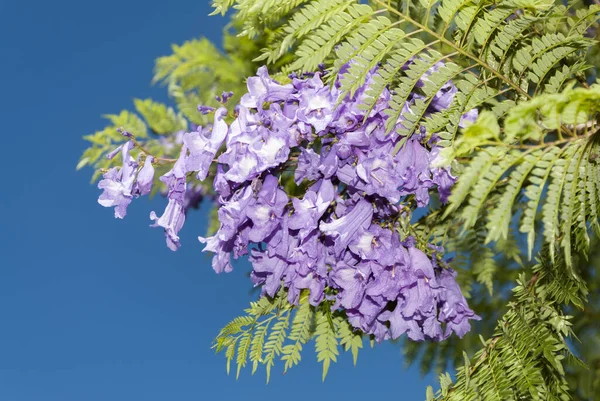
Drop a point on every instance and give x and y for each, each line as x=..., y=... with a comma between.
x=97, y=309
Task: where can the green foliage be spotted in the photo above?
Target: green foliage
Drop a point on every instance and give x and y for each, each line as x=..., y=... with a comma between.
x=326, y=343
x=351, y=340
x=249, y=334
x=273, y=329
x=300, y=334
x=197, y=71
x=491, y=57
x=161, y=119
x=543, y=179
x=524, y=358
x=550, y=175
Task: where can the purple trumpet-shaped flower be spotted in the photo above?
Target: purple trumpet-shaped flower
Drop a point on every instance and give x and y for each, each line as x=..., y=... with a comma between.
x=118, y=183
x=345, y=228
x=145, y=178
x=232, y=213
x=268, y=271
x=413, y=166
x=308, y=166
x=174, y=215
x=311, y=261
x=224, y=98
x=352, y=282
x=444, y=97
x=444, y=181
x=220, y=184
x=232, y=235
x=114, y=152
x=399, y=324
x=203, y=145
x=262, y=89
x=441, y=177
x=221, y=261
x=378, y=176
x=316, y=104
x=468, y=118
x=269, y=268
x=329, y=162
x=308, y=211
x=204, y=110
x=454, y=310
x=418, y=294
x=126, y=134
x=253, y=148
x=379, y=244
x=266, y=213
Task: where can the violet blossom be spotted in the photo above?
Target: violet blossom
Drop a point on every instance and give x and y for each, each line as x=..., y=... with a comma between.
x=335, y=234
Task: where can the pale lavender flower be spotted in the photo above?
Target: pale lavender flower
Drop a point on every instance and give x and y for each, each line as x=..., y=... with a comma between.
x=454, y=310
x=262, y=88
x=118, y=183
x=308, y=166
x=174, y=215
x=232, y=213
x=399, y=324
x=145, y=178
x=309, y=210
x=330, y=235
x=268, y=270
x=221, y=261
x=444, y=97
x=379, y=176
x=414, y=167
x=352, y=282
x=194, y=195
x=345, y=228
x=316, y=105
x=204, y=144
x=266, y=213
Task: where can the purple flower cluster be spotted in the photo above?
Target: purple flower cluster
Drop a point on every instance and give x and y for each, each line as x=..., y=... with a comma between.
x=120, y=185
x=339, y=240
x=198, y=150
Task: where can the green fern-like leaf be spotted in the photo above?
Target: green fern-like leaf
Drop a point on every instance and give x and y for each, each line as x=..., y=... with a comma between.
x=484, y=186
x=538, y=179
x=317, y=46
x=274, y=345
x=500, y=218
x=242, y=352
x=160, y=118
x=350, y=339
x=552, y=175
x=326, y=343
x=300, y=332
x=524, y=357
x=259, y=335
x=257, y=345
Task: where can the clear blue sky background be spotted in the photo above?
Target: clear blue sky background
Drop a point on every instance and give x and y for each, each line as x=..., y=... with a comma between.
x=94, y=308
